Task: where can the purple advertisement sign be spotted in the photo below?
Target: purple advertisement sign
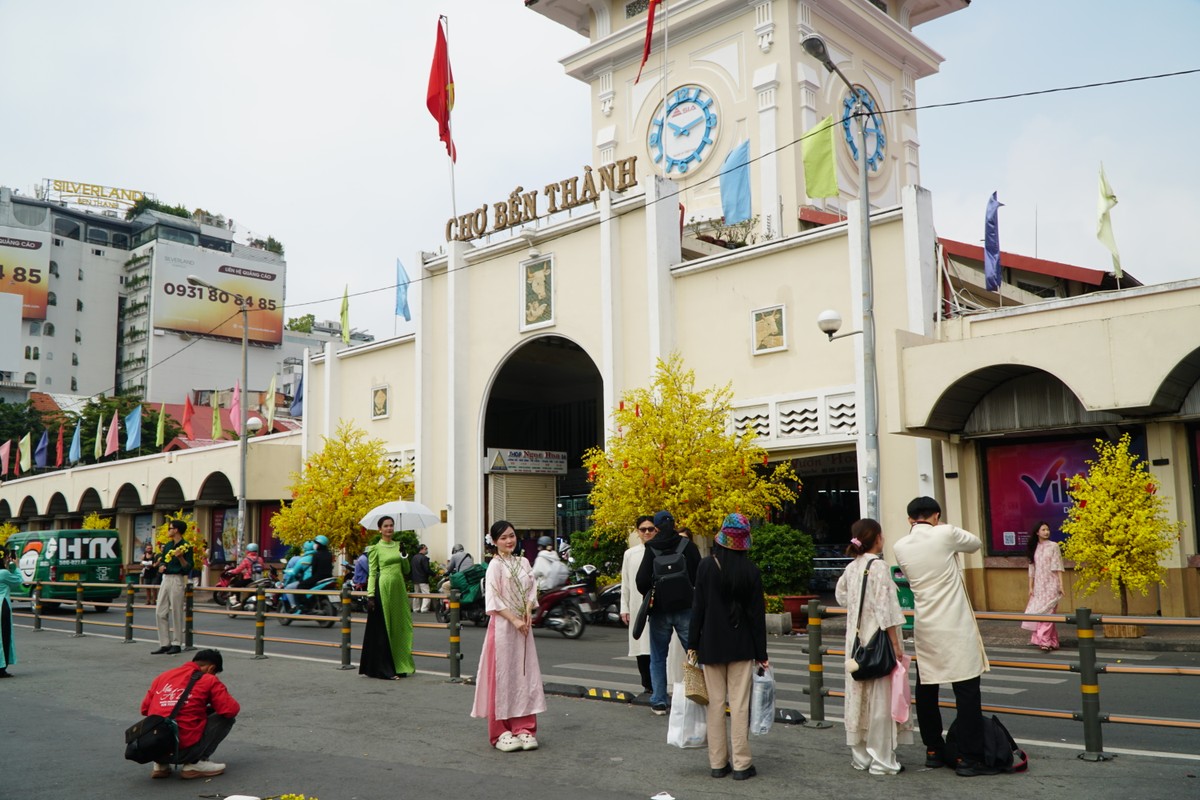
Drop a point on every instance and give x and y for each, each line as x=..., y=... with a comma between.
x=1027, y=483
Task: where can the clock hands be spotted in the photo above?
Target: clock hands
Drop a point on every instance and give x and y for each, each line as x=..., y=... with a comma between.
x=682, y=130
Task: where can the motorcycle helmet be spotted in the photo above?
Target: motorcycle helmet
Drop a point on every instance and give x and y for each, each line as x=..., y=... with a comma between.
x=252, y=548
x=322, y=540
x=309, y=547
x=458, y=548
x=545, y=541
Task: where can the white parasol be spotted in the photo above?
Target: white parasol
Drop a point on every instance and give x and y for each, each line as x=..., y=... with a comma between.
x=408, y=515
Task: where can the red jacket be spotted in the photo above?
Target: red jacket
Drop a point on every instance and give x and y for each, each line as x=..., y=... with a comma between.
x=208, y=692
x=246, y=568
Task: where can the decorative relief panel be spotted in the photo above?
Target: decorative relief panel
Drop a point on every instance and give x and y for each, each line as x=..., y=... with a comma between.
x=819, y=418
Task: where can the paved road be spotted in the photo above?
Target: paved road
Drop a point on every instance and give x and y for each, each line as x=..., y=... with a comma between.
x=598, y=660
x=308, y=728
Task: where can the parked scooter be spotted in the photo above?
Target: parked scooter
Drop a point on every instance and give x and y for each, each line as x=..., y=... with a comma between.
x=609, y=605
x=563, y=610
x=470, y=585
x=316, y=604
x=248, y=602
x=227, y=579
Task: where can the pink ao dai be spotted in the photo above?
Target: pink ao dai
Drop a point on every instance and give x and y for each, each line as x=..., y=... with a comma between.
x=509, y=680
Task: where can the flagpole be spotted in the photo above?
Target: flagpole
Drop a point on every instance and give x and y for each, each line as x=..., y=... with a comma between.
x=450, y=128
x=664, y=82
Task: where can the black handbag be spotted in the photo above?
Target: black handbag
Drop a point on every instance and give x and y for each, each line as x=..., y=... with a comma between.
x=875, y=659
x=156, y=738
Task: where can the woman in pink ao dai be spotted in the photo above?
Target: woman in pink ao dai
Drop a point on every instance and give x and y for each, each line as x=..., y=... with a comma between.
x=1045, y=586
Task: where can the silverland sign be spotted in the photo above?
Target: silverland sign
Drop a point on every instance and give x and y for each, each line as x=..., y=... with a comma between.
x=522, y=206
x=92, y=194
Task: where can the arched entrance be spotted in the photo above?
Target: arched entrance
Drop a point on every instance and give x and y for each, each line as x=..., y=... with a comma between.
x=545, y=398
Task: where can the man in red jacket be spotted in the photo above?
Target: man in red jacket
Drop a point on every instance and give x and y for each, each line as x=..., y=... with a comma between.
x=205, y=719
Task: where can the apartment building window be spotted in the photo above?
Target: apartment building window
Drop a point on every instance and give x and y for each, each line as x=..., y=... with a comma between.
x=79, y=305
x=31, y=378
x=51, y=299
x=35, y=328
x=78, y=336
x=74, y=385
x=47, y=381
x=68, y=229
x=81, y=273
x=49, y=355
x=54, y=268
x=97, y=252
x=74, y=359
x=48, y=329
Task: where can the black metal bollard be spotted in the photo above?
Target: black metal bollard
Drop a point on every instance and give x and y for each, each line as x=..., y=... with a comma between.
x=130, y=593
x=1089, y=687
x=455, y=637
x=345, y=627
x=816, y=669
x=78, y=609
x=189, y=599
x=260, y=621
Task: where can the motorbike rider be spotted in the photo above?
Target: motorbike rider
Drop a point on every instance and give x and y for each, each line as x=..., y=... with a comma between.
x=320, y=565
x=548, y=569
x=298, y=568
x=460, y=560
x=250, y=569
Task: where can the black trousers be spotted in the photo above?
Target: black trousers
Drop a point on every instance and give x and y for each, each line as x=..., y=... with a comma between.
x=643, y=663
x=969, y=722
x=215, y=731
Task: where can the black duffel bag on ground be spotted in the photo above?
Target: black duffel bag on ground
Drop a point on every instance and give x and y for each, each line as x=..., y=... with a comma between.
x=156, y=738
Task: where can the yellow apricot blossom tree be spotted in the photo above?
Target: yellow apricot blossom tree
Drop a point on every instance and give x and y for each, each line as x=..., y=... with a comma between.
x=341, y=482
x=194, y=537
x=1117, y=526
x=7, y=529
x=673, y=448
x=95, y=522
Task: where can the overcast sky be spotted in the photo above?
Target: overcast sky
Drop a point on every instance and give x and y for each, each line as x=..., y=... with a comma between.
x=307, y=121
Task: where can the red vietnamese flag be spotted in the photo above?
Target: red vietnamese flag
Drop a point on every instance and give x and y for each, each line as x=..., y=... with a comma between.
x=58, y=448
x=439, y=98
x=188, y=413
x=649, y=34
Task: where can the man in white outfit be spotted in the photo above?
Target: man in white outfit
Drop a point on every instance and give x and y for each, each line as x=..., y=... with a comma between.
x=947, y=641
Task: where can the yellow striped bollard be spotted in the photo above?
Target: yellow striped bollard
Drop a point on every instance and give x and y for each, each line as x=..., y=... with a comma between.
x=346, y=627
x=130, y=592
x=78, y=609
x=260, y=621
x=455, y=637
x=37, y=607
x=1089, y=687
x=816, y=670
x=189, y=599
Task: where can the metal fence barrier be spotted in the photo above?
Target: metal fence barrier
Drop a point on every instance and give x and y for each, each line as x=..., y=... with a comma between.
x=1089, y=671
x=345, y=598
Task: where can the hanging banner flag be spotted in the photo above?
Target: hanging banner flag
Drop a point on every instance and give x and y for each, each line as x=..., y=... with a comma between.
x=735, y=184
x=297, y=408
x=439, y=97
x=235, y=408
x=217, y=433
x=161, y=432
x=1104, y=231
x=270, y=426
x=58, y=449
x=98, y=450
x=4, y=450
x=26, y=462
x=346, y=315
x=113, y=443
x=820, y=170
x=133, y=429
x=402, y=292
x=76, y=453
x=991, y=244
x=188, y=412
x=649, y=34
x=41, y=453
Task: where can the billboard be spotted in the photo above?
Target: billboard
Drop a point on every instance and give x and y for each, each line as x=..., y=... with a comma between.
x=25, y=268
x=1026, y=483
x=179, y=306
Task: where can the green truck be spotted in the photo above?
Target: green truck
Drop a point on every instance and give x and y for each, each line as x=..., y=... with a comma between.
x=89, y=556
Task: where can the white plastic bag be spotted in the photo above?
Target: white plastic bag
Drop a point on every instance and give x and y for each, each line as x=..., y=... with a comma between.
x=762, y=701
x=688, y=725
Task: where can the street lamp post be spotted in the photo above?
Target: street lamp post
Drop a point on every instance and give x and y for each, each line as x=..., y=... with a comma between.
x=814, y=45
x=244, y=424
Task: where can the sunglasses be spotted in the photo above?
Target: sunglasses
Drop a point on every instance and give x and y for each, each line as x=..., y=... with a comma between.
x=648, y=530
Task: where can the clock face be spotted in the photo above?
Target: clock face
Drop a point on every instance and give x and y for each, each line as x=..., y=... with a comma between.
x=876, y=136
x=683, y=129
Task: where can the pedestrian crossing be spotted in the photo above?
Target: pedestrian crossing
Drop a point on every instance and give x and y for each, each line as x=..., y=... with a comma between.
x=1004, y=685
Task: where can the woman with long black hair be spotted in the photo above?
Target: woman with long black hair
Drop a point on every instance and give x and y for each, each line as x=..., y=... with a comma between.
x=729, y=637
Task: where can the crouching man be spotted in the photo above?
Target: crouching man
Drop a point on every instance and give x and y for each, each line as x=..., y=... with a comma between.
x=204, y=721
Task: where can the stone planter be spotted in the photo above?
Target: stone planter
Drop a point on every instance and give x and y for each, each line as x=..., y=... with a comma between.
x=797, y=606
x=779, y=624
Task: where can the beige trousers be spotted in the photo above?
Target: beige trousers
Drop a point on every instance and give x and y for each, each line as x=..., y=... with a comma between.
x=729, y=683
x=170, y=610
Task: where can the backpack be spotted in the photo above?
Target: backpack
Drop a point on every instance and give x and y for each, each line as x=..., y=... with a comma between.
x=1000, y=751
x=672, y=584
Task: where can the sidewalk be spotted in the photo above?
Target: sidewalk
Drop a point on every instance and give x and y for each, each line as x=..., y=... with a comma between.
x=309, y=727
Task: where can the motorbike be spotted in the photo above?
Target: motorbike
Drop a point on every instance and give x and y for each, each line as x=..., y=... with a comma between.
x=248, y=602
x=470, y=585
x=316, y=604
x=586, y=576
x=609, y=605
x=563, y=610
x=227, y=579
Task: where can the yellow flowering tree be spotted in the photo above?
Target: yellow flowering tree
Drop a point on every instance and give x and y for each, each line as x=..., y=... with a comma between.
x=341, y=482
x=95, y=522
x=7, y=529
x=673, y=449
x=1117, y=526
x=194, y=536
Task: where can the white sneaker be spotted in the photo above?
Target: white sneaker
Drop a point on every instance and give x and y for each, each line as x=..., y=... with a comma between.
x=201, y=769
x=507, y=743
x=161, y=770
x=528, y=742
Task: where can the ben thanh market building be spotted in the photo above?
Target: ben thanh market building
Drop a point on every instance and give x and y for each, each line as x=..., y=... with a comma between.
x=549, y=302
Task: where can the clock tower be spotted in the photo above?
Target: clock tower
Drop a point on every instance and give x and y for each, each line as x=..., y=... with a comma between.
x=722, y=72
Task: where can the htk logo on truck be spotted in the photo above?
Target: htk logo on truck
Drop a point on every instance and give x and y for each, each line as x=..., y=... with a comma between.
x=84, y=547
